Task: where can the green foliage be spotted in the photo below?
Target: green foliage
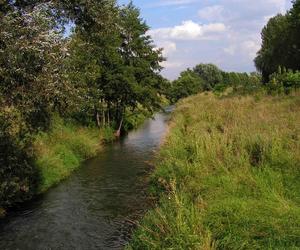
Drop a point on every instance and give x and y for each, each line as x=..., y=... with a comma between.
x=32, y=51
x=108, y=134
x=189, y=83
x=18, y=176
x=103, y=73
x=283, y=81
x=61, y=150
x=119, y=70
x=280, y=43
x=208, y=77
x=227, y=177
x=210, y=74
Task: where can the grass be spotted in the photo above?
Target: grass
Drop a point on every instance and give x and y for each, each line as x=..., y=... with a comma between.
x=227, y=177
x=61, y=151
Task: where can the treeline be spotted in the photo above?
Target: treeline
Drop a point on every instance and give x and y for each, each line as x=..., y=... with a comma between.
x=277, y=63
x=279, y=57
x=208, y=77
x=104, y=71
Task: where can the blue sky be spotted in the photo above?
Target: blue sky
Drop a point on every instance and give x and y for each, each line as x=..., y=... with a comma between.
x=223, y=32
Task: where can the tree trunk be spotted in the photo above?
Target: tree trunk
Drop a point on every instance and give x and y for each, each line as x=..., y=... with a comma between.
x=118, y=132
x=103, y=117
x=98, y=119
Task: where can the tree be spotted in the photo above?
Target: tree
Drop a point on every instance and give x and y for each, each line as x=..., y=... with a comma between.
x=119, y=69
x=32, y=86
x=274, y=52
x=31, y=55
x=293, y=17
x=189, y=83
x=210, y=74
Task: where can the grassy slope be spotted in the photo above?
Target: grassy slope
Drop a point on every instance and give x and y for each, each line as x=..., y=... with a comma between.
x=228, y=177
x=61, y=151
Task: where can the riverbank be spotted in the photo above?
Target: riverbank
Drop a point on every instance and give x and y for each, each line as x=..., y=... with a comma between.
x=96, y=206
x=227, y=176
x=59, y=151
x=55, y=155
x=63, y=149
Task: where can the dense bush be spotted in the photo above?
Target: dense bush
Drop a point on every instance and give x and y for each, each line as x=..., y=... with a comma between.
x=284, y=81
x=18, y=175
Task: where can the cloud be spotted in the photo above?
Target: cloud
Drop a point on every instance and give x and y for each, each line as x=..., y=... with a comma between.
x=169, y=47
x=250, y=47
x=230, y=50
x=223, y=32
x=165, y=3
x=211, y=13
x=188, y=30
x=171, y=65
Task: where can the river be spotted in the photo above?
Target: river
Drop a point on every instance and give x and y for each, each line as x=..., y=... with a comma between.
x=95, y=207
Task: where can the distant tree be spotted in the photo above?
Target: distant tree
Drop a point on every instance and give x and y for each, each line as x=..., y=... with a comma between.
x=293, y=17
x=275, y=43
x=210, y=74
x=189, y=83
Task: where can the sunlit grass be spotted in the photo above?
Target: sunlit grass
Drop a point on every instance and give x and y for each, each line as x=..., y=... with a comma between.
x=228, y=176
x=61, y=151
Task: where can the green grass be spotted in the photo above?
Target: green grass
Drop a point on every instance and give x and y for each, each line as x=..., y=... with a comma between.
x=61, y=151
x=227, y=177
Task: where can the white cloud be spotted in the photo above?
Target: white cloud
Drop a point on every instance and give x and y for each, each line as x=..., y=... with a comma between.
x=212, y=13
x=188, y=30
x=231, y=50
x=172, y=65
x=162, y=3
x=223, y=32
x=250, y=47
x=169, y=47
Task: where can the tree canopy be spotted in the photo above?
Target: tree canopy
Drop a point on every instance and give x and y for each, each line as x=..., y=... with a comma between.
x=280, y=43
x=107, y=68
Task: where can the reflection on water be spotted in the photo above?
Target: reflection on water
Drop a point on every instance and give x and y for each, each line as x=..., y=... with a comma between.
x=95, y=207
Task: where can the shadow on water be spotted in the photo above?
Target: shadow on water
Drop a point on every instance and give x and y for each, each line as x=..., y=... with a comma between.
x=95, y=207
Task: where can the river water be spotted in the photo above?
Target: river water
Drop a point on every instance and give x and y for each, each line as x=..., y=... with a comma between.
x=95, y=207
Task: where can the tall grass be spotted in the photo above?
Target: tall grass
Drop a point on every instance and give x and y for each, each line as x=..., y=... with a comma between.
x=228, y=177
x=61, y=150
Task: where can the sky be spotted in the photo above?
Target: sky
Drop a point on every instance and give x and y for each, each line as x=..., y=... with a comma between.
x=222, y=32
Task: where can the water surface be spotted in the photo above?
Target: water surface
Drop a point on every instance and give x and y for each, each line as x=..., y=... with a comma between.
x=95, y=207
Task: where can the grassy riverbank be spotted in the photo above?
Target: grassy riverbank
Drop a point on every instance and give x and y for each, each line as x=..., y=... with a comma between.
x=228, y=177
x=62, y=150
x=53, y=157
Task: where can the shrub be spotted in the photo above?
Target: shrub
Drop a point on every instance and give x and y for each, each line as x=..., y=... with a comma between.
x=18, y=176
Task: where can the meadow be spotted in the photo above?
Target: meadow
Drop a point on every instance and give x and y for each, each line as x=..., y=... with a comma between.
x=227, y=176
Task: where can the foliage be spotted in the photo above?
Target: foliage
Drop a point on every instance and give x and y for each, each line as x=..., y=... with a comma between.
x=284, y=81
x=62, y=149
x=105, y=70
x=210, y=74
x=227, y=176
x=30, y=65
x=189, y=83
x=18, y=177
x=208, y=77
x=280, y=43
x=119, y=70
